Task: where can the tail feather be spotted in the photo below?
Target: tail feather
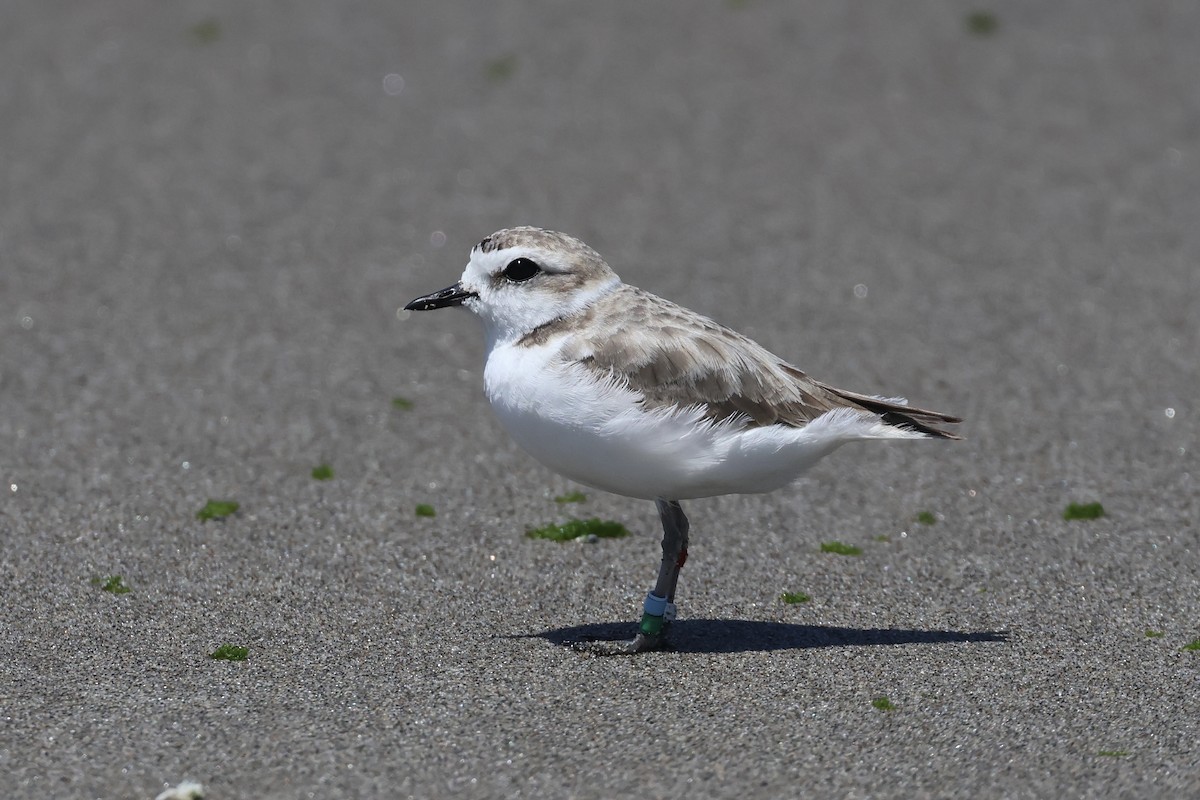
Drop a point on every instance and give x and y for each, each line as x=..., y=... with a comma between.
x=902, y=415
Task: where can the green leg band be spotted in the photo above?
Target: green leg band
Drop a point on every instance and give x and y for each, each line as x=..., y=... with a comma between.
x=651, y=625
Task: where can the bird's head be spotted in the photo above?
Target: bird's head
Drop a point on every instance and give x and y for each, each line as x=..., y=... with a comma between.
x=521, y=278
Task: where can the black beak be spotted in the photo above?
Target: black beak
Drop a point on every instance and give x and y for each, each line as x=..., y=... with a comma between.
x=450, y=296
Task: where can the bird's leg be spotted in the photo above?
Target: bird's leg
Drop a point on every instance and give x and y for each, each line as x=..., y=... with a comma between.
x=659, y=608
x=681, y=527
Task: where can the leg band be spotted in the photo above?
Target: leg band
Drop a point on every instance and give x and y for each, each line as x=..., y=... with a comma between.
x=655, y=606
x=653, y=610
x=651, y=625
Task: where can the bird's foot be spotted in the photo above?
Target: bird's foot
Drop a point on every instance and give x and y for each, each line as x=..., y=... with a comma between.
x=651, y=635
x=621, y=647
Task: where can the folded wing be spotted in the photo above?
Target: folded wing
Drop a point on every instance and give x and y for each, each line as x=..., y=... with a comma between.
x=676, y=358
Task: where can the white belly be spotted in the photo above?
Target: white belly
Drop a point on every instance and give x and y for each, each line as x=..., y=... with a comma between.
x=595, y=432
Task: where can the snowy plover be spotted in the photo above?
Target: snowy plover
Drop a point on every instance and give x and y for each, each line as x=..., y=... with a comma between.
x=626, y=392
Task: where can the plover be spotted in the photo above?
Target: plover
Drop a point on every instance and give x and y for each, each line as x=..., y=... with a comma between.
x=626, y=392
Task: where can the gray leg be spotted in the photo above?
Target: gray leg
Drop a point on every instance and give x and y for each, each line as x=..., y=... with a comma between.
x=660, y=604
x=674, y=547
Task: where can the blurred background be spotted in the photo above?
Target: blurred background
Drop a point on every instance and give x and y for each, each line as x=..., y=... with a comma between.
x=212, y=212
x=992, y=196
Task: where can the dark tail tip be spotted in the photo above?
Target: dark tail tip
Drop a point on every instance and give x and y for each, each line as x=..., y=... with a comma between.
x=906, y=422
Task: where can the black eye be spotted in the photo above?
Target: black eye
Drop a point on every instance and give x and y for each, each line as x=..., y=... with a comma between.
x=520, y=270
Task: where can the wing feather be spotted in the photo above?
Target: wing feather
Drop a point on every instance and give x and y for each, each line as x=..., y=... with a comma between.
x=674, y=357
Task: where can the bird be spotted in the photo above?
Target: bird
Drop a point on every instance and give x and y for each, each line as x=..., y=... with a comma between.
x=623, y=391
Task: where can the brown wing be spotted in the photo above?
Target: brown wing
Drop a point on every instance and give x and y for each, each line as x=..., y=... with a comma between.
x=674, y=357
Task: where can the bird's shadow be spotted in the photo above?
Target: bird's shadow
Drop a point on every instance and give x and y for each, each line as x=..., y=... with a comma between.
x=743, y=635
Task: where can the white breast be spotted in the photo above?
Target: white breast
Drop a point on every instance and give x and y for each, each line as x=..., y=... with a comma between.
x=562, y=416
